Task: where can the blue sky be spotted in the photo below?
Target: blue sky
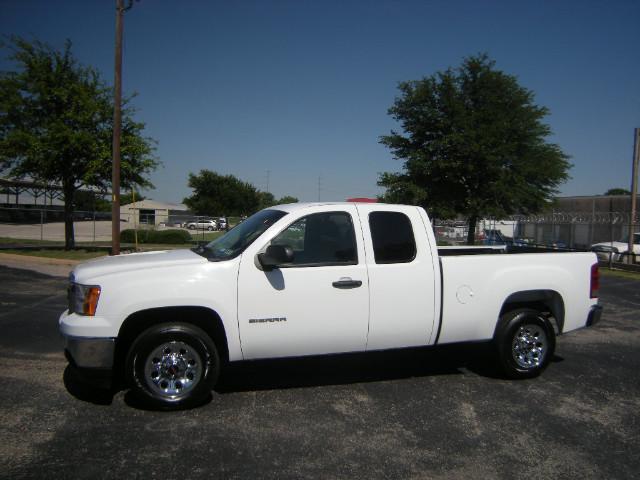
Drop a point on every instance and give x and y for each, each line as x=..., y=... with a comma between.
x=300, y=89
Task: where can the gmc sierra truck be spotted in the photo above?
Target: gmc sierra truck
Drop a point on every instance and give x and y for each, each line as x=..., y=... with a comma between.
x=315, y=279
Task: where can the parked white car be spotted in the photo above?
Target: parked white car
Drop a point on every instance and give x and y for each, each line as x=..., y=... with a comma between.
x=616, y=250
x=203, y=224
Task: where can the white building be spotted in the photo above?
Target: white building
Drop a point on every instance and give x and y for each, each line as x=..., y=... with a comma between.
x=150, y=212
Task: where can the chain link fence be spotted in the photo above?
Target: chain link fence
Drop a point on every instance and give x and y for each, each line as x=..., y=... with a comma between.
x=603, y=232
x=33, y=224
x=606, y=233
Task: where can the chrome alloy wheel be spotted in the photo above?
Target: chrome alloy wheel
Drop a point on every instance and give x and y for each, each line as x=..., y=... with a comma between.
x=173, y=369
x=530, y=346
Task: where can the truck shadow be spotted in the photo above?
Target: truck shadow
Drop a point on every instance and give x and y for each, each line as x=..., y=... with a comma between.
x=341, y=369
x=359, y=368
x=98, y=392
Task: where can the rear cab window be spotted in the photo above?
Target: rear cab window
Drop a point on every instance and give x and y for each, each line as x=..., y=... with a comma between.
x=392, y=237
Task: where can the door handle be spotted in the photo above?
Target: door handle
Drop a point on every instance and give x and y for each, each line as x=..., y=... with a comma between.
x=347, y=283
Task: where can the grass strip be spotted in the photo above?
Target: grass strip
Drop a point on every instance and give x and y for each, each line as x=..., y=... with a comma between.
x=60, y=254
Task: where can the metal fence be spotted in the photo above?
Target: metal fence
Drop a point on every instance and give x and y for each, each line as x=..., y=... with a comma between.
x=569, y=230
x=47, y=224
x=555, y=230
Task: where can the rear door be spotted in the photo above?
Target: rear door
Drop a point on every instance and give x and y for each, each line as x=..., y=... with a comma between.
x=402, y=276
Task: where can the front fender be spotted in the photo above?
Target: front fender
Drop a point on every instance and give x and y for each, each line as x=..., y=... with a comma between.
x=211, y=285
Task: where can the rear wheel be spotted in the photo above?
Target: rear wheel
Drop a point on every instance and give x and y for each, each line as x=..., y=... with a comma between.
x=525, y=342
x=172, y=366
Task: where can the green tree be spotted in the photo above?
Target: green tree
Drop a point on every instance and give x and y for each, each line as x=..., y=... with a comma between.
x=617, y=191
x=215, y=194
x=88, y=201
x=287, y=199
x=130, y=197
x=56, y=125
x=265, y=200
x=268, y=200
x=473, y=144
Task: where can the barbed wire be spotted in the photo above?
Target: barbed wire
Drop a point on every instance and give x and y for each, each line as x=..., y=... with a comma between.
x=602, y=218
x=558, y=218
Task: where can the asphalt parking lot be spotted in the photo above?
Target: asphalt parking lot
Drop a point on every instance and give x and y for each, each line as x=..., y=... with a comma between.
x=440, y=413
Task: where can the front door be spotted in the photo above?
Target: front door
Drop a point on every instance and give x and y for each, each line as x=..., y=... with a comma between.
x=317, y=304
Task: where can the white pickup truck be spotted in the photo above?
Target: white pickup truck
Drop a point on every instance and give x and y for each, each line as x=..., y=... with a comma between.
x=313, y=279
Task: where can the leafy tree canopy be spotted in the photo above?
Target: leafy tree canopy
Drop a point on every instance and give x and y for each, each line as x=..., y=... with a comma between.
x=130, y=197
x=287, y=199
x=215, y=194
x=472, y=143
x=266, y=199
x=87, y=201
x=617, y=191
x=56, y=125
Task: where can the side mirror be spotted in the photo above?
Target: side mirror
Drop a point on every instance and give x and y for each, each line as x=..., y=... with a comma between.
x=274, y=256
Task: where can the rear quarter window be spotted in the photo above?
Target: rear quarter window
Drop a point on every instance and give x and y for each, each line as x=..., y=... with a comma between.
x=392, y=237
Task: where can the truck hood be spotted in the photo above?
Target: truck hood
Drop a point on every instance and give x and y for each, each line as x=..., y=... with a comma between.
x=85, y=272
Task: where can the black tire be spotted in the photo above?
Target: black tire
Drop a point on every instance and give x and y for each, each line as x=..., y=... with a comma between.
x=526, y=342
x=210, y=228
x=172, y=366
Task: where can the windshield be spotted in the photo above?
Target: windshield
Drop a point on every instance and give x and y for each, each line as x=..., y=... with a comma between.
x=234, y=242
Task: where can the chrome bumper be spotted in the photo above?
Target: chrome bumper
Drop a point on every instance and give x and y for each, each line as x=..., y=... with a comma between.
x=86, y=352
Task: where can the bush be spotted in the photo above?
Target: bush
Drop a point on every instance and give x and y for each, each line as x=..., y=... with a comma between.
x=174, y=237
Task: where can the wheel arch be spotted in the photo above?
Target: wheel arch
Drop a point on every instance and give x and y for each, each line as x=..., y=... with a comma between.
x=202, y=317
x=546, y=301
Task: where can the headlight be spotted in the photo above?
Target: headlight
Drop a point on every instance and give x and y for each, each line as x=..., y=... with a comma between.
x=83, y=299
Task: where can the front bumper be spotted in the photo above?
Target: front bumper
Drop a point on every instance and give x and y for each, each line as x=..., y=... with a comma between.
x=86, y=352
x=594, y=315
x=89, y=341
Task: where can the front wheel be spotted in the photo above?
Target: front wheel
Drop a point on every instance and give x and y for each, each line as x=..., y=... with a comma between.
x=525, y=342
x=172, y=366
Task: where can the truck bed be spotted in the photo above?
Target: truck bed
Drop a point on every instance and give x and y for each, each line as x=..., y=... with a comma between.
x=475, y=287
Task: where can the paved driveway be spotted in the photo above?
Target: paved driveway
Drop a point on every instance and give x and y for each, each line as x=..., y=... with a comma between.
x=442, y=413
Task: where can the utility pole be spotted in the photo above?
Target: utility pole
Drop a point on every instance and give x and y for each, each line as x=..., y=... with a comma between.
x=268, y=175
x=634, y=190
x=117, y=127
x=319, y=186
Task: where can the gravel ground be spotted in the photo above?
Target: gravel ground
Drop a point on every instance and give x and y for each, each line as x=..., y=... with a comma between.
x=440, y=413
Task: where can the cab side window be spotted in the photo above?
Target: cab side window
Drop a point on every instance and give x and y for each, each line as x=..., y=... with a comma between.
x=392, y=236
x=320, y=239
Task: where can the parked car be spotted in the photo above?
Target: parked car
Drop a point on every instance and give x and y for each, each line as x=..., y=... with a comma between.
x=203, y=224
x=496, y=237
x=315, y=279
x=222, y=223
x=616, y=250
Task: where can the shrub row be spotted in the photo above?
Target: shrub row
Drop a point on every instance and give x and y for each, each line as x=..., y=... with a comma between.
x=156, y=236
